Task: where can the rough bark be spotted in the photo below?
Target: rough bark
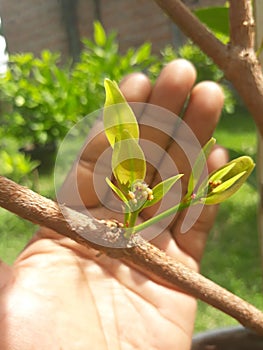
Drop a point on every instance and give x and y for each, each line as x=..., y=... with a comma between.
x=238, y=59
x=149, y=259
x=242, y=26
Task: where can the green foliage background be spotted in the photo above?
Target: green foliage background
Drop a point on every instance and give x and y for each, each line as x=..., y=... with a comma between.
x=42, y=99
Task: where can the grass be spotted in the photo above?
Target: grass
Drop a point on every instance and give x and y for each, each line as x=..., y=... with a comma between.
x=16, y=232
x=232, y=257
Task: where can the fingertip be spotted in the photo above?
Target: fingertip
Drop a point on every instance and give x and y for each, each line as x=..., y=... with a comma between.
x=136, y=87
x=217, y=158
x=183, y=67
x=173, y=85
x=204, y=109
x=177, y=75
x=210, y=97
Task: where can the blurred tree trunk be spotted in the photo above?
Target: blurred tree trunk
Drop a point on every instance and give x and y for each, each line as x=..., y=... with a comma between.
x=69, y=12
x=259, y=45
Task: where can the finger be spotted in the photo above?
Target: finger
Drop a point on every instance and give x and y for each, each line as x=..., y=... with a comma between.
x=201, y=116
x=193, y=242
x=136, y=87
x=188, y=247
x=200, y=119
x=173, y=85
x=204, y=109
x=170, y=92
x=79, y=188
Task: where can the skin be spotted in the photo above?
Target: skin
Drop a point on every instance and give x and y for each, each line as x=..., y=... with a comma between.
x=60, y=295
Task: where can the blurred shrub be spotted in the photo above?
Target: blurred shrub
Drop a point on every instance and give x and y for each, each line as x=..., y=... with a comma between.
x=101, y=59
x=17, y=166
x=205, y=67
x=44, y=100
x=36, y=91
x=41, y=100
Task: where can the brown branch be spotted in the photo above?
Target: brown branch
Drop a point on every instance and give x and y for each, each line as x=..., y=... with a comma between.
x=239, y=63
x=241, y=24
x=193, y=28
x=149, y=259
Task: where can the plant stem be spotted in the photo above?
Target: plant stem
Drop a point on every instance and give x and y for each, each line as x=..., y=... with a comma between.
x=133, y=218
x=161, y=216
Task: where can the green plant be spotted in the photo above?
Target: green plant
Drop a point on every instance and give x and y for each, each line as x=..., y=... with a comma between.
x=205, y=67
x=129, y=168
x=216, y=18
x=100, y=59
x=37, y=91
x=42, y=100
x=16, y=166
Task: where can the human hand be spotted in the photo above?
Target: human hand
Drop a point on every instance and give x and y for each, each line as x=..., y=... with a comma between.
x=62, y=295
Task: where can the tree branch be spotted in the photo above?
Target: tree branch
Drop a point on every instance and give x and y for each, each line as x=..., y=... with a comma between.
x=193, y=28
x=149, y=259
x=241, y=24
x=239, y=63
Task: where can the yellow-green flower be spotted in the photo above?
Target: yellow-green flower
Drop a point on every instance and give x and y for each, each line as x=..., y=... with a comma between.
x=225, y=181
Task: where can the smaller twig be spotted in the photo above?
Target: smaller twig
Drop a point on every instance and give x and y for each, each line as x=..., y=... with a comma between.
x=242, y=26
x=240, y=66
x=150, y=260
x=194, y=29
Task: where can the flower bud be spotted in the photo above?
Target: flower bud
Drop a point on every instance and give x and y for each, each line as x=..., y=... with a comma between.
x=225, y=181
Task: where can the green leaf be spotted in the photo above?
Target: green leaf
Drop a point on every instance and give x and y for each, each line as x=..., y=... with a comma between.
x=160, y=190
x=216, y=18
x=227, y=180
x=128, y=161
x=142, y=53
x=99, y=34
x=199, y=165
x=221, y=172
x=118, y=115
x=227, y=184
x=117, y=191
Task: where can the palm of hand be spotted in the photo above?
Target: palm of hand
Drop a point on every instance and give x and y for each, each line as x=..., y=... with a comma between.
x=64, y=296
x=59, y=295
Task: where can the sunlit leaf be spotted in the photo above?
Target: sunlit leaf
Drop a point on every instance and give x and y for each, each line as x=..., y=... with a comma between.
x=118, y=115
x=116, y=190
x=128, y=161
x=99, y=34
x=199, y=165
x=216, y=18
x=160, y=190
x=142, y=53
x=227, y=184
x=225, y=181
x=222, y=172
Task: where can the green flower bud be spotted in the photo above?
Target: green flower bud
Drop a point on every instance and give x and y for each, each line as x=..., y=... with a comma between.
x=225, y=181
